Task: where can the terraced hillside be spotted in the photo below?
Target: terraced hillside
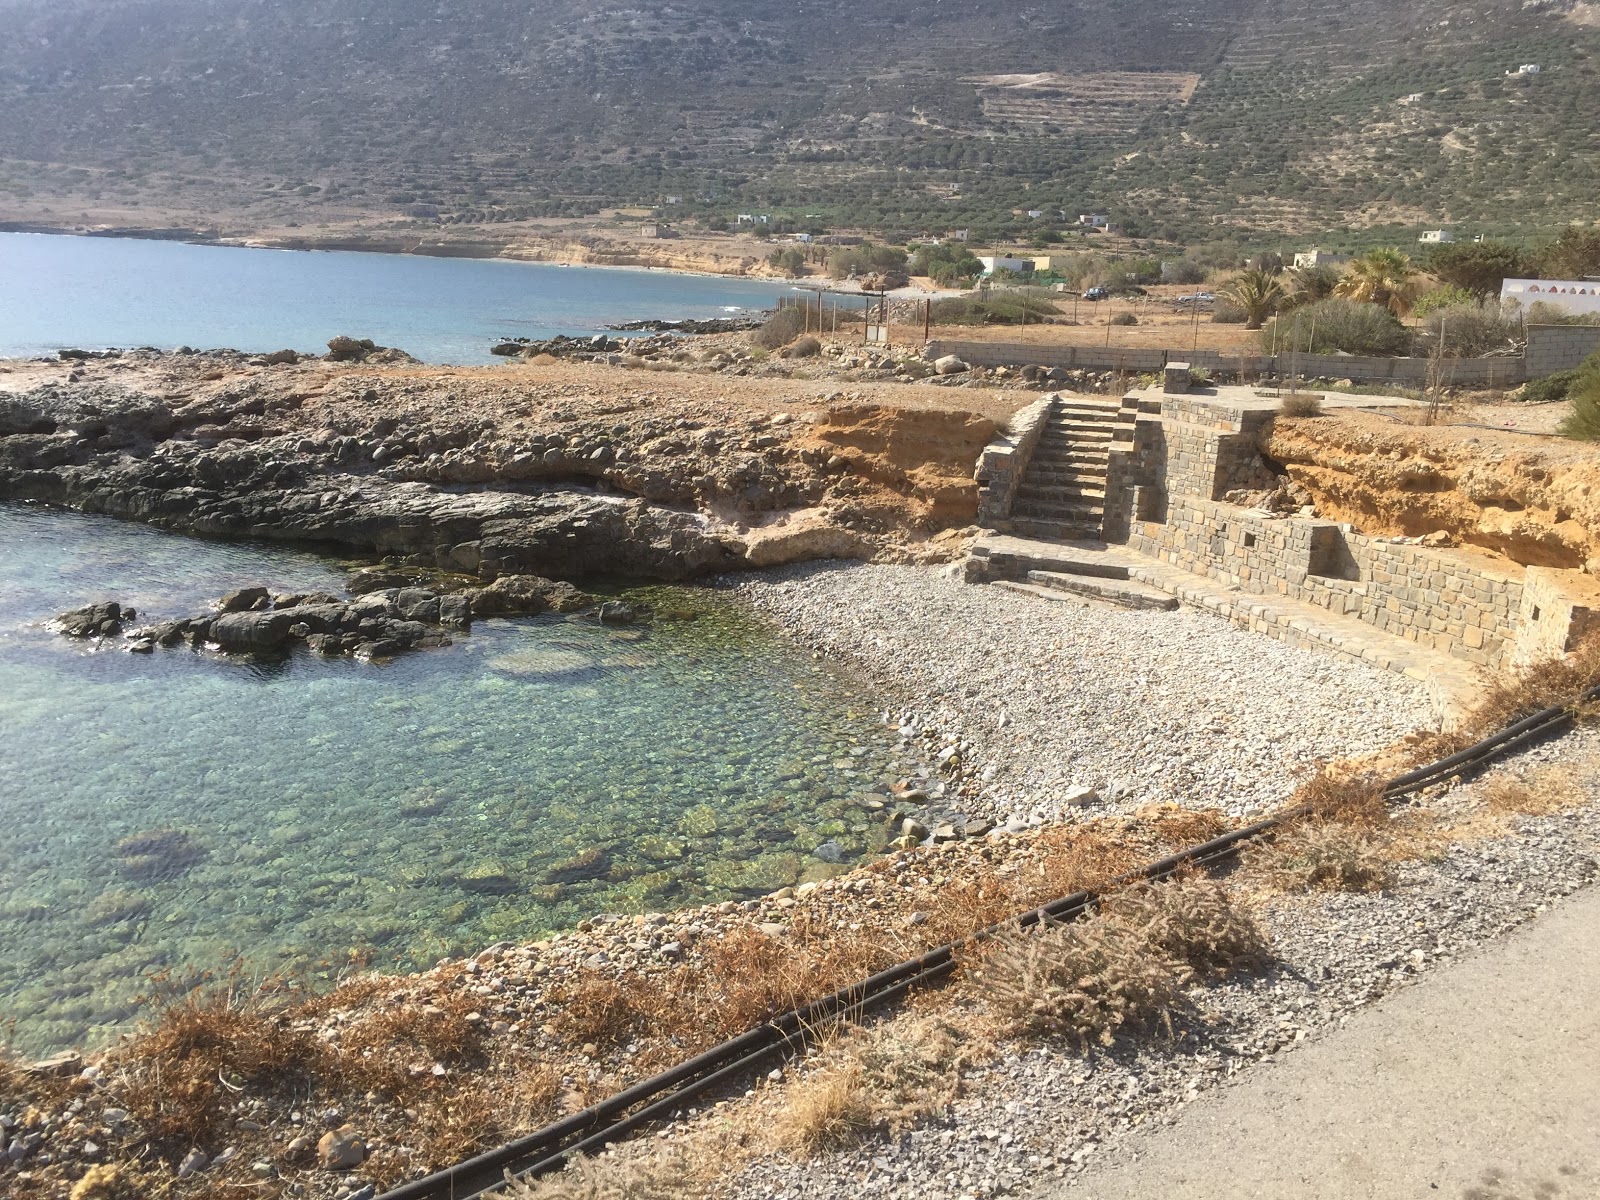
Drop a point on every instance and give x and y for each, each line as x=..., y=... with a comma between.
x=1174, y=114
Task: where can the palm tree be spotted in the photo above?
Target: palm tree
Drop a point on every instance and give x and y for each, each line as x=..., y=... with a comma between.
x=1385, y=277
x=1257, y=292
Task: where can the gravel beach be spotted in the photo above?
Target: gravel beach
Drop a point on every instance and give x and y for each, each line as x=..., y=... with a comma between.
x=1141, y=707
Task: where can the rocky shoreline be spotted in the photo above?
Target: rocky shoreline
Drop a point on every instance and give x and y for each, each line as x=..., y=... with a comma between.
x=477, y=472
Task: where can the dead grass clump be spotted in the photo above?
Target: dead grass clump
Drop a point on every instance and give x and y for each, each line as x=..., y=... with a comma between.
x=1181, y=827
x=185, y=1067
x=968, y=905
x=598, y=1009
x=1078, y=859
x=1544, y=792
x=113, y=1181
x=1194, y=922
x=1087, y=980
x=827, y=1110
x=1355, y=800
x=913, y=1066
x=632, y=1173
x=1328, y=858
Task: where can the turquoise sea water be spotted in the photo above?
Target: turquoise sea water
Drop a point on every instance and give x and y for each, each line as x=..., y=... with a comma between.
x=309, y=813
x=92, y=293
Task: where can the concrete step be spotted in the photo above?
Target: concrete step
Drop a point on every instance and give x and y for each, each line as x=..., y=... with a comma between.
x=1063, y=509
x=1051, y=452
x=1084, y=433
x=1055, y=531
x=1039, y=593
x=1122, y=592
x=1070, y=496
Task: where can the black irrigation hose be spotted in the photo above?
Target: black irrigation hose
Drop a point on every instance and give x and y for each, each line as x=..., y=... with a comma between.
x=660, y=1096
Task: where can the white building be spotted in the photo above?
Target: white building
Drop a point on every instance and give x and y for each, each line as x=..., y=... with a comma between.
x=1319, y=258
x=995, y=262
x=1094, y=220
x=1436, y=237
x=1574, y=295
x=1525, y=69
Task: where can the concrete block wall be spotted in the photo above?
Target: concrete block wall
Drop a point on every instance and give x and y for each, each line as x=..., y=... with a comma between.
x=1554, y=348
x=1405, y=372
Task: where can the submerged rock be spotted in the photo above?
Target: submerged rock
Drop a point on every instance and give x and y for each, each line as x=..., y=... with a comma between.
x=157, y=854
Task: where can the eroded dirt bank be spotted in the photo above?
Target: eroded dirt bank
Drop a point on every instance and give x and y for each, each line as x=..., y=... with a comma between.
x=1535, y=500
x=561, y=469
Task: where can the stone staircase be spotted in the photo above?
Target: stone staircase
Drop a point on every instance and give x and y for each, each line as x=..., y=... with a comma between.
x=1062, y=495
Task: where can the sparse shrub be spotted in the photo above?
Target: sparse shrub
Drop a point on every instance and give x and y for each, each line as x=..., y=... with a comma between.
x=1194, y=922
x=803, y=347
x=1332, y=326
x=1331, y=858
x=781, y=328
x=1087, y=980
x=1448, y=296
x=1226, y=312
x=1307, y=404
x=1548, y=312
x=1469, y=330
x=1583, y=422
x=1549, y=389
x=1012, y=306
x=1124, y=318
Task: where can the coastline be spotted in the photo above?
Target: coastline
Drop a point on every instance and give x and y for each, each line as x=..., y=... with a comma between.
x=417, y=248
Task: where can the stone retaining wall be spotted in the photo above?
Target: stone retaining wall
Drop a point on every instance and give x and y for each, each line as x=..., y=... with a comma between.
x=1458, y=603
x=1004, y=461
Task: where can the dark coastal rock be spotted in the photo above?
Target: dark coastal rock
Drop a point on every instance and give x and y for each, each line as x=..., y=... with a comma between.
x=93, y=620
x=243, y=600
x=253, y=630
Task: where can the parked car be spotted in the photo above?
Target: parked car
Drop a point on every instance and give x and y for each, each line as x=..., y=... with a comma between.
x=1197, y=298
x=1097, y=293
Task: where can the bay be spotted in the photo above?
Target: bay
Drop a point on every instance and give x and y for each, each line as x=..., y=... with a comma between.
x=59, y=291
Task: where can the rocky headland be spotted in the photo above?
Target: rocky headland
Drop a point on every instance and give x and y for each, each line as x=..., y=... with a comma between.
x=559, y=470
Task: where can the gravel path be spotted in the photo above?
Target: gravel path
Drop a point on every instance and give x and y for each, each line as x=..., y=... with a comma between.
x=1036, y=1117
x=1143, y=707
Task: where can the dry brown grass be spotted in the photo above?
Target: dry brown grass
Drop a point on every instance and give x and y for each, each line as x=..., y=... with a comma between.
x=184, y=1069
x=1536, y=794
x=115, y=1181
x=885, y=1077
x=632, y=1173
x=1341, y=797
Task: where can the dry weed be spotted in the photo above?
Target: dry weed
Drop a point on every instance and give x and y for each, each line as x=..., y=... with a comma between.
x=1087, y=980
x=1193, y=921
x=1078, y=859
x=1183, y=827
x=1330, y=857
x=633, y=1173
x=210, y=1041
x=829, y=1109
x=1545, y=684
x=1331, y=796
x=913, y=1066
x=113, y=1181
x=1547, y=791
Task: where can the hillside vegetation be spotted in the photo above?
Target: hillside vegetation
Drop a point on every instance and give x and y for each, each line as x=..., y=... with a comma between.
x=1175, y=115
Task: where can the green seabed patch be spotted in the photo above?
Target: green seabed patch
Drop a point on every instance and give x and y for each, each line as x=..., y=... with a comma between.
x=174, y=813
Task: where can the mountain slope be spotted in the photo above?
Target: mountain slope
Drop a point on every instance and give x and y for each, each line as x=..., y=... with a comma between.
x=1173, y=113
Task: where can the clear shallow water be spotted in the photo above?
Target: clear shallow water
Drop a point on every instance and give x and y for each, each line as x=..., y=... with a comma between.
x=534, y=773
x=58, y=291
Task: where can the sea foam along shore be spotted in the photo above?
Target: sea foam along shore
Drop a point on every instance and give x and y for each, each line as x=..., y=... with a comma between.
x=1140, y=707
